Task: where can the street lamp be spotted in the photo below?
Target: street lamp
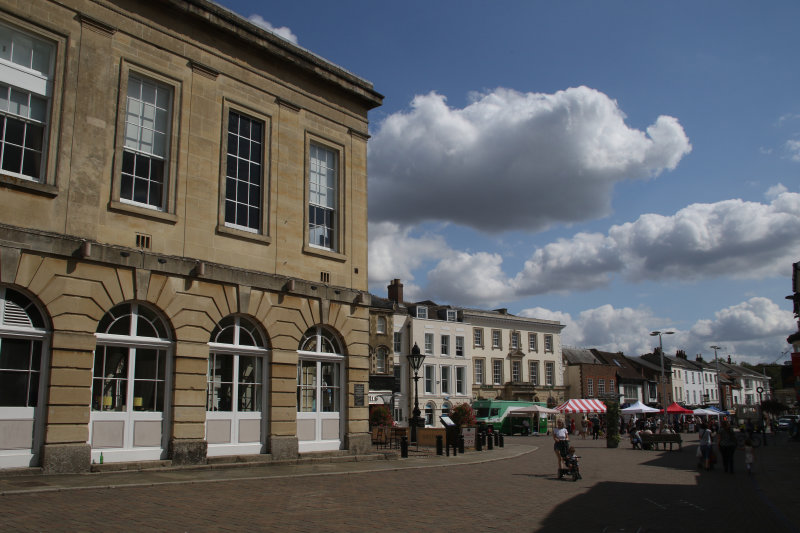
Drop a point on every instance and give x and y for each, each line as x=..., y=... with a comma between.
x=415, y=359
x=663, y=381
x=719, y=381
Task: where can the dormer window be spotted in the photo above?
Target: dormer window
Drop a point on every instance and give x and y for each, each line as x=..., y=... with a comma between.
x=451, y=315
x=422, y=312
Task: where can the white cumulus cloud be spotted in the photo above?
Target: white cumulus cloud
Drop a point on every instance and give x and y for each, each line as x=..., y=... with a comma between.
x=508, y=160
x=282, y=31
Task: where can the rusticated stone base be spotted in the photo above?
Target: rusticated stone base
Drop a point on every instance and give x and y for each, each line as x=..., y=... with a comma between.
x=188, y=451
x=359, y=443
x=282, y=448
x=66, y=458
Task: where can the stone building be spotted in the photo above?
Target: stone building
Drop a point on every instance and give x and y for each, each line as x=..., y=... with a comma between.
x=515, y=357
x=183, y=238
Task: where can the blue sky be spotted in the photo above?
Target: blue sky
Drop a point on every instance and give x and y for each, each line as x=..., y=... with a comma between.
x=619, y=166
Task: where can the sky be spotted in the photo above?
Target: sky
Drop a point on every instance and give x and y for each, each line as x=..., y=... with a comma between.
x=620, y=166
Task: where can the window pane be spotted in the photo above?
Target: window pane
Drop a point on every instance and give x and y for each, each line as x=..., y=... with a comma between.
x=15, y=354
x=13, y=389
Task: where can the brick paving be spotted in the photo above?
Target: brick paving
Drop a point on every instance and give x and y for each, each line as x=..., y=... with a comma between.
x=508, y=489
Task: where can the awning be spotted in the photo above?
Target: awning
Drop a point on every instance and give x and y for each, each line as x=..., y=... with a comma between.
x=582, y=406
x=639, y=408
x=531, y=411
x=675, y=408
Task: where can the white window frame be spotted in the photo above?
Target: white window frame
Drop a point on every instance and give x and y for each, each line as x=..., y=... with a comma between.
x=477, y=337
x=497, y=371
x=590, y=387
x=532, y=342
x=548, y=344
x=514, y=340
x=323, y=196
x=497, y=339
x=461, y=380
x=516, y=371
x=237, y=349
x=479, y=371
x=397, y=341
x=446, y=376
x=445, y=345
x=533, y=370
x=380, y=325
x=451, y=315
x=237, y=163
x=35, y=79
x=459, y=346
x=549, y=373
x=428, y=344
x=422, y=312
x=429, y=377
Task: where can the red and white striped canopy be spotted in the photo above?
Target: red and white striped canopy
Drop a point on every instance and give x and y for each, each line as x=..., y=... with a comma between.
x=582, y=406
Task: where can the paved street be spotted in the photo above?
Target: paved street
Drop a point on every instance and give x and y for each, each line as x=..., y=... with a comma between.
x=509, y=489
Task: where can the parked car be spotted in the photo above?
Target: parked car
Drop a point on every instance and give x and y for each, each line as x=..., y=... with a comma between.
x=785, y=422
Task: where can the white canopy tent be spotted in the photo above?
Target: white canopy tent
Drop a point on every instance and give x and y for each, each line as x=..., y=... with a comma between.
x=639, y=408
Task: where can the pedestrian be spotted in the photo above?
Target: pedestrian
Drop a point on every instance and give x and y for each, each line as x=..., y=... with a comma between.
x=560, y=438
x=595, y=428
x=726, y=440
x=749, y=456
x=705, y=445
x=571, y=426
x=584, y=426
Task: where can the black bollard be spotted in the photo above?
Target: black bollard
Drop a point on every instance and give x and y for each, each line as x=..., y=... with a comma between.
x=489, y=443
x=478, y=443
x=501, y=440
x=455, y=450
x=438, y=445
x=497, y=438
x=461, y=443
x=404, y=447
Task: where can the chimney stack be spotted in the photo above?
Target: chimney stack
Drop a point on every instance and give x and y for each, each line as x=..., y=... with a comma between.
x=396, y=291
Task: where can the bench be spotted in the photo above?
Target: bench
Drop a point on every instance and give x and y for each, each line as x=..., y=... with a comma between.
x=652, y=441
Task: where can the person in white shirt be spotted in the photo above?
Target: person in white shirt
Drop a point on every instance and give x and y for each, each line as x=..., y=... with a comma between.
x=560, y=438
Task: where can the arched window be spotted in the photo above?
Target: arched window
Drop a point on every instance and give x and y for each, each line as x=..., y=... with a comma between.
x=381, y=356
x=319, y=390
x=22, y=328
x=23, y=359
x=130, y=388
x=132, y=344
x=235, y=366
x=235, y=393
x=430, y=413
x=446, y=406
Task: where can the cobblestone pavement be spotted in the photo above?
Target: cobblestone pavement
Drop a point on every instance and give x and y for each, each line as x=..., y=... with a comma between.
x=508, y=489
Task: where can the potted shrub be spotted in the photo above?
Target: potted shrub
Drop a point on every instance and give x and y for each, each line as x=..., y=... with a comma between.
x=380, y=416
x=612, y=425
x=463, y=415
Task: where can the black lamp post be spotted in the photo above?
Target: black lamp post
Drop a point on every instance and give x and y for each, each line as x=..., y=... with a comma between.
x=415, y=359
x=663, y=379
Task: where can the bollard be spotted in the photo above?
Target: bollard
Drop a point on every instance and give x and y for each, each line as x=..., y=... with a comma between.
x=489, y=443
x=404, y=447
x=501, y=440
x=478, y=438
x=438, y=445
x=455, y=450
x=497, y=438
x=461, y=443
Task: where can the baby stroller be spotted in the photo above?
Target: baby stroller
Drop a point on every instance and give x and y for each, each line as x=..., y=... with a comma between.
x=570, y=461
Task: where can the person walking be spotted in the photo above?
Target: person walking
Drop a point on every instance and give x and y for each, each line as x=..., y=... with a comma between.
x=726, y=440
x=749, y=456
x=584, y=426
x=561, y=439
x=595, y=428
x=706, y=440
